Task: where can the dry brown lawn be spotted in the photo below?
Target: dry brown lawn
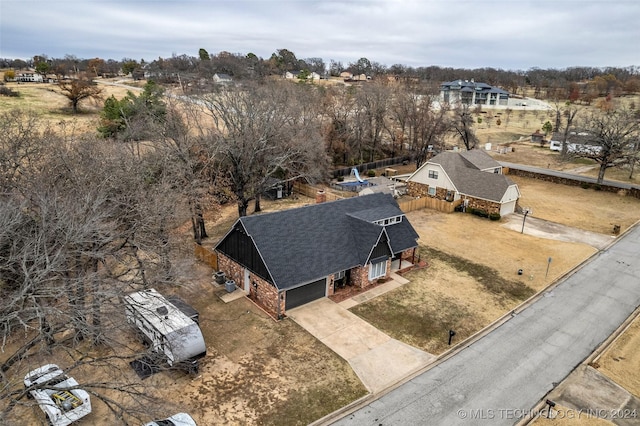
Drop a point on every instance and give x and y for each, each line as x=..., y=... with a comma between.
x=471, y=278
x=563, y=416
x=621, y=361
x=46, y=100
x=587, y=209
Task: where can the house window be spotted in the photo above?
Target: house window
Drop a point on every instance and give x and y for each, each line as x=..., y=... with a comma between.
x=433, y=174
x=377, y=270
x=432, y=191
x=497, y=171
x=338, y=275
x=389, y=221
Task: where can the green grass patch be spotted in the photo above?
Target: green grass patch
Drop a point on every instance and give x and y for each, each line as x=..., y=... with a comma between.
x=488, y=277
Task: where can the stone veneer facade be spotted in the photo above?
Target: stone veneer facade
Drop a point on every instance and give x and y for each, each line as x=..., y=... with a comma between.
x=260, y=291
x=266, y=295
x=416, y=189
x=360, y=275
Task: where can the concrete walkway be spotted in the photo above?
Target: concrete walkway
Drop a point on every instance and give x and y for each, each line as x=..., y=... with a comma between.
x=377, y=359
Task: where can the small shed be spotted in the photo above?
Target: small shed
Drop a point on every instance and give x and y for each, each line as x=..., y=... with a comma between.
x=537, y=137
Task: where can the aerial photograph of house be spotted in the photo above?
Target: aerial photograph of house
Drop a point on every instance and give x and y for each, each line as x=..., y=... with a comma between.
x=289, y=258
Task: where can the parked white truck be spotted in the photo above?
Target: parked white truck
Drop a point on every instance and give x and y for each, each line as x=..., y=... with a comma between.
x=170, y=333
x=57, y=395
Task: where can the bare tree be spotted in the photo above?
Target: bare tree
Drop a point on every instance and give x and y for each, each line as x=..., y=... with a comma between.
x=259, y=133
x=462, y=125
x=569, y=115
x=188, y=160
x=337, y=106
x=372, y=102
x=613, y=135
x=74, y=236
x=433, y=126
x=23, y=139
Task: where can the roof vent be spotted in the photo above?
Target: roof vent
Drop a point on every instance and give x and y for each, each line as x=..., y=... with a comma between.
x=162, y=310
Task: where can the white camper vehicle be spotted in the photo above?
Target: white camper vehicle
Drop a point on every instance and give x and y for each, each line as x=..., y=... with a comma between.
x=57, y=395
x=169, y=332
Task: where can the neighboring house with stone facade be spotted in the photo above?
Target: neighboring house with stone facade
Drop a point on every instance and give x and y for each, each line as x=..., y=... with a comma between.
x=472, y=176
x=288, y=258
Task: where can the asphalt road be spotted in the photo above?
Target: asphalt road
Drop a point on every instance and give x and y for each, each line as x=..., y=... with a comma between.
x=499, y=378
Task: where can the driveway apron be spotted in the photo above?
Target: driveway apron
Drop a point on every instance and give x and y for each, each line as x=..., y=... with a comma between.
x=377, y=359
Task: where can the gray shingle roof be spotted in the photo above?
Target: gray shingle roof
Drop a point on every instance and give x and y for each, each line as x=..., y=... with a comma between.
x=470, y=86
x=464, y=170
x=303, y=245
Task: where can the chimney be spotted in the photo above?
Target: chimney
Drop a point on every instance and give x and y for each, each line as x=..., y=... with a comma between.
x=321, y=196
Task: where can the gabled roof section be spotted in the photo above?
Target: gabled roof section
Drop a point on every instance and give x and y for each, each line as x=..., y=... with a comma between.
x=480, y=159
x=378, y=213
x=305, y=244
x=465, y=171
x=472, y=86
x=365, y=235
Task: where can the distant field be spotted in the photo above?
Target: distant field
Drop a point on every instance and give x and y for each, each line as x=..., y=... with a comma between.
x=46, y=100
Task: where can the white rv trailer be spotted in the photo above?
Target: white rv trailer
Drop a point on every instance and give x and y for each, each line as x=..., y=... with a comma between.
x=168, y=331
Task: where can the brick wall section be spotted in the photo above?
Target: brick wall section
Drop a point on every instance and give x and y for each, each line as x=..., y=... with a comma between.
x=487, y=206
x=266, y=295
x=360, y=275
x=332, y=288
x=408, y=255
x=231, y=269
x=416, y=189
x=263, y=292
x=631, y=192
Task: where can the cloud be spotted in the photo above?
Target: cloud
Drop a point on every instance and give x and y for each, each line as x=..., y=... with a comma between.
x=482, y=33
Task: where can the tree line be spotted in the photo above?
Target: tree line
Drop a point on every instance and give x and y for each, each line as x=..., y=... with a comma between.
x=191, y=68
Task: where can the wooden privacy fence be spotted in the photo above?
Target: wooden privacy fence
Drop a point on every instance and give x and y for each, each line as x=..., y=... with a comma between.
x=429, y=203
x=405, y=206
x=205, y=255
x=311, y=192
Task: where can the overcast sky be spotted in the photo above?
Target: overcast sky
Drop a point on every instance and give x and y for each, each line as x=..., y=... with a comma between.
x=507, y=34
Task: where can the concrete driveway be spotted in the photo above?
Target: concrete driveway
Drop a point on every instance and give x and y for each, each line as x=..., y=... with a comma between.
x=554, y=231
x=377, y=359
